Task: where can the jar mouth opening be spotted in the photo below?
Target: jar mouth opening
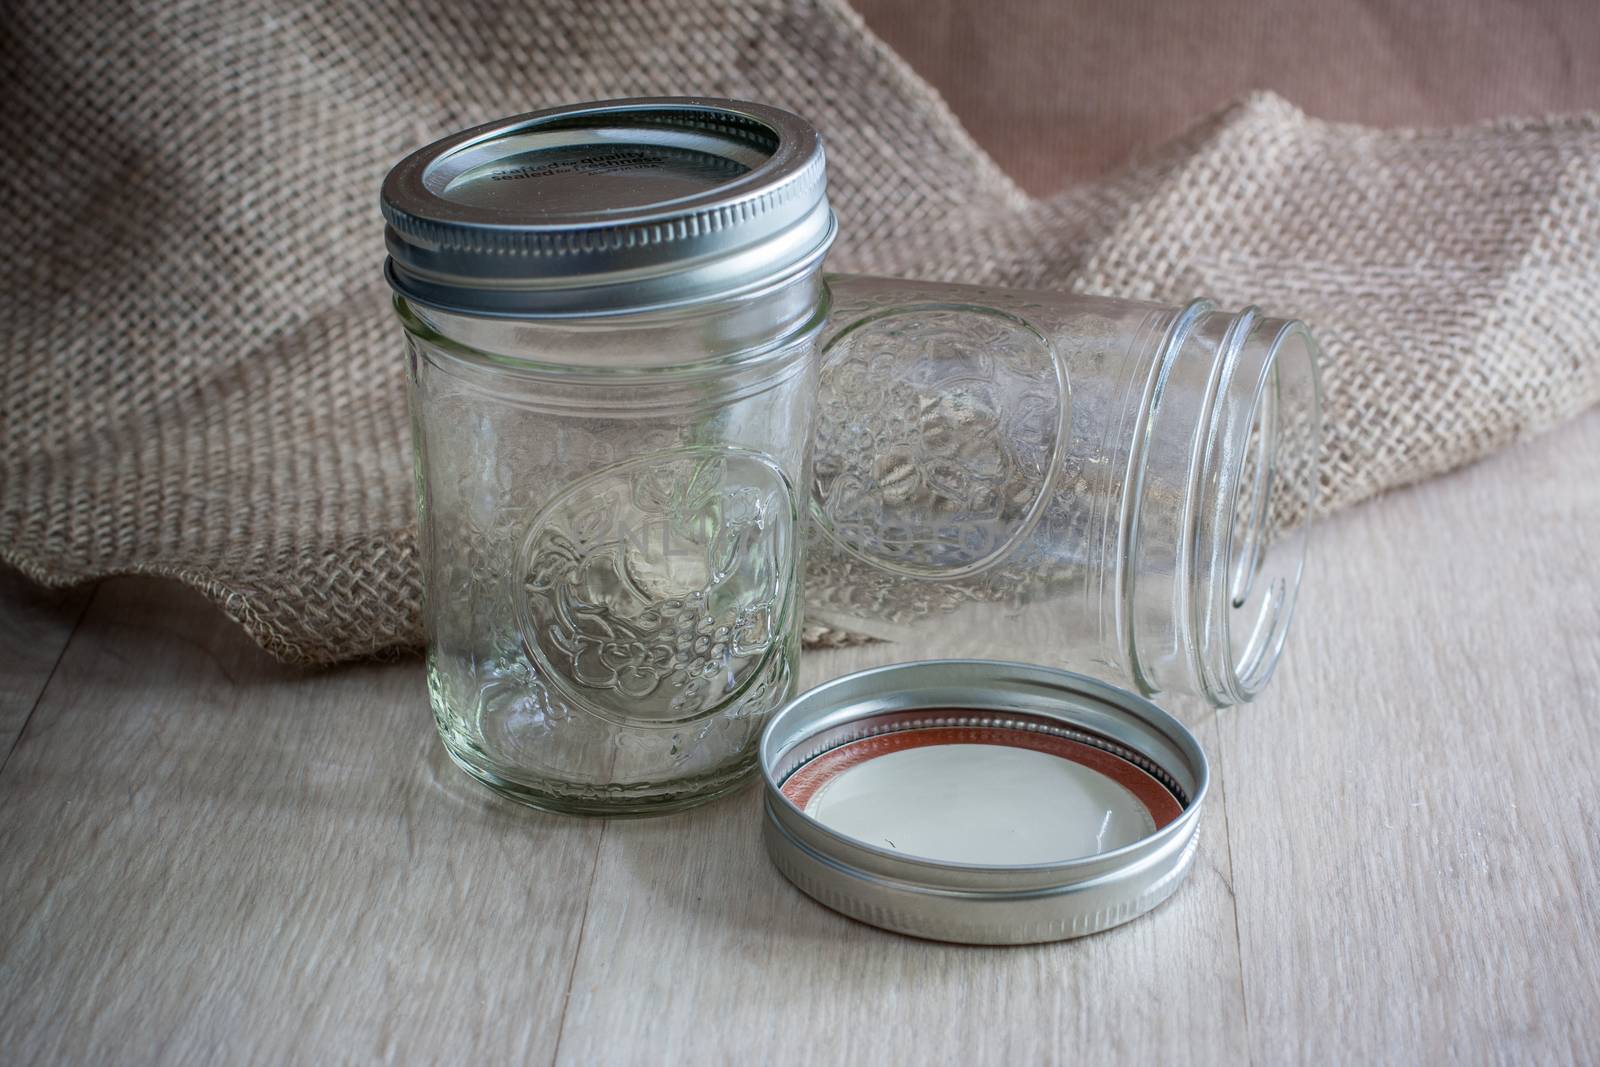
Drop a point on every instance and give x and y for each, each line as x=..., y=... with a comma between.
x=610, y=207
x=1216, y=542
x=1268, y=468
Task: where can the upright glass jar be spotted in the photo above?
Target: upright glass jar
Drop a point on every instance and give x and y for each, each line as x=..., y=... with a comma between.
x=1117, y=487
x=611, y=314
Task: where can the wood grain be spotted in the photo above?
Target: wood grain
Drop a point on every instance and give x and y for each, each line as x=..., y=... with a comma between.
x=204, y=856
x=35, y=624
x=209, y=858
x=697, y=951
x=1415, y=828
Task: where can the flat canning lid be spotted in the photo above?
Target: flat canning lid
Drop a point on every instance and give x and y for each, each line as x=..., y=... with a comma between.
x=608, y=208
x=980, y=801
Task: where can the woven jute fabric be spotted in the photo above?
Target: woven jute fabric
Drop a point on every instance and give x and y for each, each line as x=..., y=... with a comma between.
x=202, y=375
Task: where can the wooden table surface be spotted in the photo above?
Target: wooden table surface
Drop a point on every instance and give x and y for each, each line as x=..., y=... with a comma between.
x=208, y=857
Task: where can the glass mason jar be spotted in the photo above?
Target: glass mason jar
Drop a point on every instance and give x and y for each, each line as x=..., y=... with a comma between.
x=1117, y=487
x=611, y=314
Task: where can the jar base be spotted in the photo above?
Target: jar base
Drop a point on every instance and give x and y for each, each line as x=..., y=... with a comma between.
x=633, y=802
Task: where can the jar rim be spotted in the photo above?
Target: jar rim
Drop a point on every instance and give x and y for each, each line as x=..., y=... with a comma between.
x=1219, y=615
x=1254, y=583
x=609, y=207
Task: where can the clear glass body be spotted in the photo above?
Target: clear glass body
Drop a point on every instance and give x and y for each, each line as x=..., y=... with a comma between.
x=611, y=541
x=1116, y=487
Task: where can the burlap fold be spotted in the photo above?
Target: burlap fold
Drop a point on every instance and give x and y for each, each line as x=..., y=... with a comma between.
x=202, y=379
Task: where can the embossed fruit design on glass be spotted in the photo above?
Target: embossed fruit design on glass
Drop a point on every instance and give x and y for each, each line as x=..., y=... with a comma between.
x=611, y=315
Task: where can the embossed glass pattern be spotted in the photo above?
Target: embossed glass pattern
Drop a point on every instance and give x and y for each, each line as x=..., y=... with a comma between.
x=612, y=562
x=1112, y=486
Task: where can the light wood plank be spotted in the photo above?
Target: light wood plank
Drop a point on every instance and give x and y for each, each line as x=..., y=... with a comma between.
x=697, y=951
x=35, y=624
x=1415, y=825
x=205, y=857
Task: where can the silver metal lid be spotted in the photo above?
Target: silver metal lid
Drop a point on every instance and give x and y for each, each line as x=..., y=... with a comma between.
x=892, y=752
x=603, y=208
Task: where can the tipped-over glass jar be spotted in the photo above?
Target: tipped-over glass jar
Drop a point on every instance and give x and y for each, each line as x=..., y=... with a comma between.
x=611, y=313
x=1117, y=487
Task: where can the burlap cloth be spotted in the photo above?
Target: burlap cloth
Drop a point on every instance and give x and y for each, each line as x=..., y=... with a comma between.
x=202, y=378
